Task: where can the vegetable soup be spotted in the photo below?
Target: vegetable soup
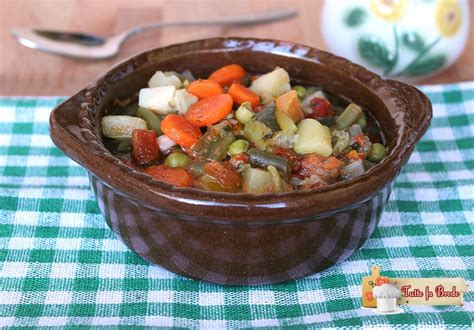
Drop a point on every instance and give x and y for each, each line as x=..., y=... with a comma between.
x=237, y=132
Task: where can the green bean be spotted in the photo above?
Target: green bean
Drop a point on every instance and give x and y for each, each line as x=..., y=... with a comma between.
x=264, y=159
x=377, y=152
x=349, y=116
x=152, y=120
x=213, y=146
x=300, y=90
x=119, y=145
x=238, y=147
x=177, y=159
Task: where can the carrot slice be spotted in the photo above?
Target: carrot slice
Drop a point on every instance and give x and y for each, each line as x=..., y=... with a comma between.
x=203, y=88
x=241, y=94
x=176, y=176
x=210, y=110
x=181, y=131
x=228, y=74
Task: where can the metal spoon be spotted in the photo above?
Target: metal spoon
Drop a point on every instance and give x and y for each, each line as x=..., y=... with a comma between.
x=88, y=46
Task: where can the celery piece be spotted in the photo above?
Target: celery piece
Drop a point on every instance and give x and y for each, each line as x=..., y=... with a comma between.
x=244, y=113
x=285, y=122
x=153, y=121
x=238, y=147
x=350, y=115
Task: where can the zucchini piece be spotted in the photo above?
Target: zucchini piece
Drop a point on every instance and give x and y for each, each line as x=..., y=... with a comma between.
x=121, y=126
x=256, y=132
x=267, y=117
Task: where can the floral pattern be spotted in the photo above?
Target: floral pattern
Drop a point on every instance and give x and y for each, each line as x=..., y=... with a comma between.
x=373, y=50
x=448, y=17
x=389, y=10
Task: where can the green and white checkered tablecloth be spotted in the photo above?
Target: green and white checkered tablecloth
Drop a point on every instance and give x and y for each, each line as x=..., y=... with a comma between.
x=61, y=266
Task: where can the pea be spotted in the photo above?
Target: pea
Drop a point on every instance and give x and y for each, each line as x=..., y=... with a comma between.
x=177, y=159
x=377, y=152
x=300, y=90
x=362, y=122
x=238, y=147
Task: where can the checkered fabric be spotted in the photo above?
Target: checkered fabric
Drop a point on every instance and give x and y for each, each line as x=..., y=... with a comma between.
x=61, y=266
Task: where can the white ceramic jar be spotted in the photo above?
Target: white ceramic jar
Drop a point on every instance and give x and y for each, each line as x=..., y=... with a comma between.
x=402, y=39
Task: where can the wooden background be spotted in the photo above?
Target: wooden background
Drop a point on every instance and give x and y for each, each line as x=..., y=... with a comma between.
x=27, y=72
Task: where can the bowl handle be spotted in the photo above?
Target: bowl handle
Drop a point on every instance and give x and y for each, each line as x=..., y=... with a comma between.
x=418, y=109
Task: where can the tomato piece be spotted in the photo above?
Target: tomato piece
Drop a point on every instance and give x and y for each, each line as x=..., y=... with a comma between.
x=145, y=147
x=176, y=176
x=290, y=155
x=238, y=159
x=327, y=168
x=320, y=108
x=355, y=156
x=224, y=174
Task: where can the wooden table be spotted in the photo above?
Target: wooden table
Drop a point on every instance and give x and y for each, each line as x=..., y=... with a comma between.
x=27, y=72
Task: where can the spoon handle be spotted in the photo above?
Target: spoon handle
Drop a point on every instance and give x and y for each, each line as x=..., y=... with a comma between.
x=248, y=19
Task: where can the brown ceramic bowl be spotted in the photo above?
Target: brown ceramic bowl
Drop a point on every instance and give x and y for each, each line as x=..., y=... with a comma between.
x=241, y=238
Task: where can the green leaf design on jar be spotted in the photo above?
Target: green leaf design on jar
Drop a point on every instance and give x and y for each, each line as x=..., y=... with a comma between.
x=375, y=52
x=356, y=17
x=413, y=40
x=426, y=65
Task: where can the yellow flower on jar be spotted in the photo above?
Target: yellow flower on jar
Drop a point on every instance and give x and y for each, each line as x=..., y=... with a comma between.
x=389, y=10
x=448, y=17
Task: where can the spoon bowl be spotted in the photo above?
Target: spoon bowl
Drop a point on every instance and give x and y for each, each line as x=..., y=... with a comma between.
x=92, y=47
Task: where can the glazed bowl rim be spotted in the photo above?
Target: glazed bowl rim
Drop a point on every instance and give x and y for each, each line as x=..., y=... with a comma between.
x=390, y=165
